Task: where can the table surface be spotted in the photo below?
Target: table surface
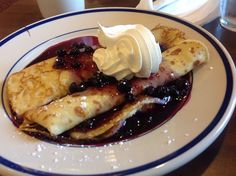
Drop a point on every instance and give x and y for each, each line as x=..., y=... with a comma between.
x=220, y=157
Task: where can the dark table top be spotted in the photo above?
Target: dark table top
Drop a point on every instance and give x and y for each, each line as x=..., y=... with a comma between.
x=220, y=157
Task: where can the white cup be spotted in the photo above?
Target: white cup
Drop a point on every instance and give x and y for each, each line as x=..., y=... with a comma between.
x=54, y=7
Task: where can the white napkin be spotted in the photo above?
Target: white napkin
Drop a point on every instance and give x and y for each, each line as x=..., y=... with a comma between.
x=196, y=11
x=207, y=13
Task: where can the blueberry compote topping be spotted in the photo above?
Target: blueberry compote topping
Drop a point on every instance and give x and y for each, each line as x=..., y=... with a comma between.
x=178, y=90
x=70, y=55
x=124, y=86
x=71, y=59
x=98, y=80
x=101, y=80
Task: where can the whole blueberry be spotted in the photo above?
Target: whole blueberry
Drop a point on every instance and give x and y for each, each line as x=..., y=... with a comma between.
x=61, y=53
x=60, y=63
x=124, y=86
x=83, y=86
x=73, y=87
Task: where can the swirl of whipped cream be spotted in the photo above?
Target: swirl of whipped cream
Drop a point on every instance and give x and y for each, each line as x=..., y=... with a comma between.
x=129, y=50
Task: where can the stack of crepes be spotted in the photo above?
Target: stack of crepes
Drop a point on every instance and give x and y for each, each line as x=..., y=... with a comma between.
x=40, y=93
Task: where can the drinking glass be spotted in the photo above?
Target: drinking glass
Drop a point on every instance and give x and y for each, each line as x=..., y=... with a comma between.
x=228, y=14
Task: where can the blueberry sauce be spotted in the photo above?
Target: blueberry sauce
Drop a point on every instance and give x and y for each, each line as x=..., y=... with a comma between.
x=69, y=48
x=69, y=55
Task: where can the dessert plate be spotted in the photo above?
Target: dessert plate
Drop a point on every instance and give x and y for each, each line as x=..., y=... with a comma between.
x=160, y=151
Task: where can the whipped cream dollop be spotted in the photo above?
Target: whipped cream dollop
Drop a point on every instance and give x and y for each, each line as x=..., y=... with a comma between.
x=129, y=50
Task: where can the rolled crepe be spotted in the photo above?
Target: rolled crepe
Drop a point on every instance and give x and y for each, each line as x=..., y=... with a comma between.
x=185, y=56
x=40, y=84
x=37, y=85
x=167, y=36
x=64, y=114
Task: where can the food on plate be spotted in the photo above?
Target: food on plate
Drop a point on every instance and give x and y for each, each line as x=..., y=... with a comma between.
x=167, y=36
x=44, y=82
x=121, y=75
x=116, y=122
x=65, y=113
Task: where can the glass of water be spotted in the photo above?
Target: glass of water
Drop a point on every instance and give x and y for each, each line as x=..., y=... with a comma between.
x=228, y=14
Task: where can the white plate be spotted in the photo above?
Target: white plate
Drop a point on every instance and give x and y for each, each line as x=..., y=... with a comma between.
x=176, y=142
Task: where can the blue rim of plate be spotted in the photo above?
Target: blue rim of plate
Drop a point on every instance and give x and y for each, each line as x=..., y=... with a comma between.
x=196, y=140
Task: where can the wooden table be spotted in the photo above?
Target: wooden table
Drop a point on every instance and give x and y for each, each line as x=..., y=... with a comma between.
x=220, y=158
